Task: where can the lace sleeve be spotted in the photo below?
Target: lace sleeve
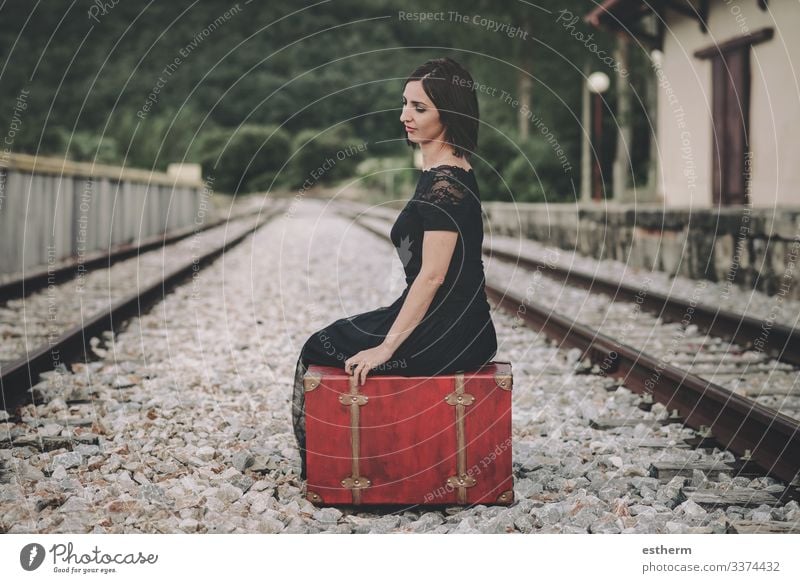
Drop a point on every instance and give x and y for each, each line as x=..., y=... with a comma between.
x=442, y=204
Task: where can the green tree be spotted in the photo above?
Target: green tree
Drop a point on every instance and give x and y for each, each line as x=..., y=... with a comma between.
x=237, y=157
x=324, y=156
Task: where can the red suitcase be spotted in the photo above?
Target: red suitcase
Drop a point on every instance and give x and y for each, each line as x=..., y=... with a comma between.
x=409, y=440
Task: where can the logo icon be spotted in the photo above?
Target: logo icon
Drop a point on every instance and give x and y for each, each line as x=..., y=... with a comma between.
x=31, y=556
x=404, y=250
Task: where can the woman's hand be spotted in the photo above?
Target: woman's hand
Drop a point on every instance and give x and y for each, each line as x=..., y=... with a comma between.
x=366, y=360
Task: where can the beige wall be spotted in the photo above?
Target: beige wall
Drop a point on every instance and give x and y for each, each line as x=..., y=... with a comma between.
x=685, y=90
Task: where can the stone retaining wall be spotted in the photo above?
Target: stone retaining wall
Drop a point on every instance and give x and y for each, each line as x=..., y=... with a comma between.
x=754, y=248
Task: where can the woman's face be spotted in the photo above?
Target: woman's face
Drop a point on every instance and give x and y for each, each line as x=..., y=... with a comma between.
x=420, y=117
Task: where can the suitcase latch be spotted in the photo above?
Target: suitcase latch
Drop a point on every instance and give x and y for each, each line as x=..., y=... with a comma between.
x=351, y=399
x=462, y=481
x=355, y=482
x=459, y=399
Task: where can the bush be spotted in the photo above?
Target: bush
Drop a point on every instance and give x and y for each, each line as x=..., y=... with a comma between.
x=85, y=147
x=496, y=150
x=522, y=180
x=266, y=181
x=242, y=163
x=324, y=156
x=536, y=173
x=388, y=178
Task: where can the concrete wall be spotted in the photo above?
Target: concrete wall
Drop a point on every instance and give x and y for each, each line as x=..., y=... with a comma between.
x=52, y=209
x=684, y=104
x=750, y=247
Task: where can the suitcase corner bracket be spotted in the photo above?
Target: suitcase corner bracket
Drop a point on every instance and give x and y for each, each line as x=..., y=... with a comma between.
x=503, y=381
x=311, y=381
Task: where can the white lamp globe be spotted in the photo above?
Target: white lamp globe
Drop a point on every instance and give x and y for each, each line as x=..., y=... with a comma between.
x=598, y=82
x=657, y=57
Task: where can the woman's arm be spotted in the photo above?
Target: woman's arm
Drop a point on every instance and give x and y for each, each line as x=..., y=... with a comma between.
x=437, y=251
x=440, y=207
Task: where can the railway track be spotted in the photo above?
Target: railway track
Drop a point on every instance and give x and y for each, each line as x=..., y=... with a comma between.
x=17, y=287
x=61, y=323
x=107, y=448
x=615, y=336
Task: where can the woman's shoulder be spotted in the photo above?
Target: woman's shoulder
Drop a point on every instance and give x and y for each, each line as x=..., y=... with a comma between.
x=448, y=169
x=447, y=183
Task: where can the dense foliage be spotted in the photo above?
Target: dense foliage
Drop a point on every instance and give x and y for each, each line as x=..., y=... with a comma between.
x=262, y=93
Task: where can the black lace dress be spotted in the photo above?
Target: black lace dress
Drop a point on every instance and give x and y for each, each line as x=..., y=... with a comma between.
x=456, y=333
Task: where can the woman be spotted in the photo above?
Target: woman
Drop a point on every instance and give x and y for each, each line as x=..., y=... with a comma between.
x=441, y=323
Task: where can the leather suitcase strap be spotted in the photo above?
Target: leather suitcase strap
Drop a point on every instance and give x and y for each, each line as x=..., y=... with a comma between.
x=460, y=400
x=355, y=401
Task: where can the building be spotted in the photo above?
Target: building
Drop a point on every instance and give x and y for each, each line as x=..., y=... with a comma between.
x=728, y=74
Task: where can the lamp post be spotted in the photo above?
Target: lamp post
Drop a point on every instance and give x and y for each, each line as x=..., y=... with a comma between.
x=596, y=84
